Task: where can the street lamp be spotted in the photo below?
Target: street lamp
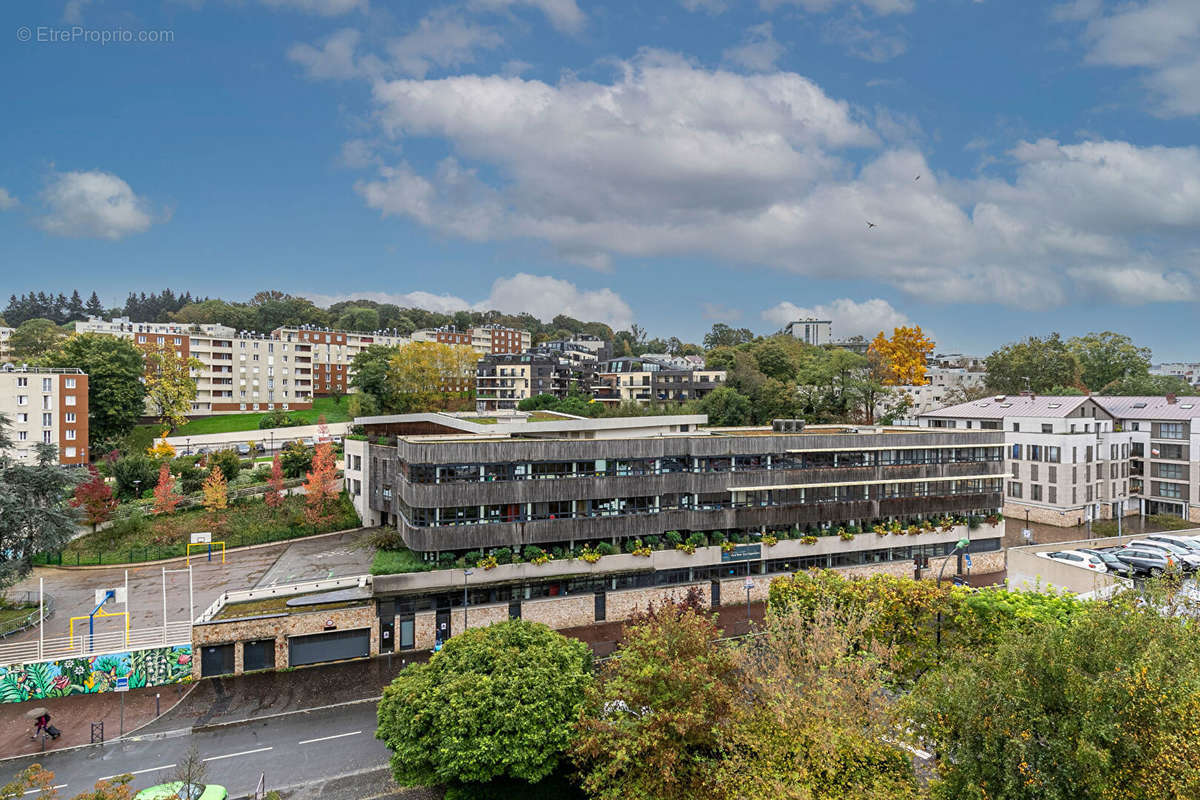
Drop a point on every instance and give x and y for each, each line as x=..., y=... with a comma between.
x=960, y=546
x=466, y=599
x=137, y=490
x=749, y=585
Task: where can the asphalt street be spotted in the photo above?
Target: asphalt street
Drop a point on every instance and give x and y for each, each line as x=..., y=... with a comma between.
x=291, y=749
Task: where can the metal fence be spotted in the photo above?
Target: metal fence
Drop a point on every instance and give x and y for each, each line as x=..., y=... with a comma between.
x=30, y=619
x=85, y=645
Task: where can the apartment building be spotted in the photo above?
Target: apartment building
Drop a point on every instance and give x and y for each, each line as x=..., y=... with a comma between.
x=943, y=384
x=1164, y=463
x=1067, y=459
x=332, y=352
x=5, y=347
x=816, y=332
x=642, y=379
x=449, y=484
x=502, y=381
x=46, y=406
x=485, y=339
x=581, y=343
x=1187, y=370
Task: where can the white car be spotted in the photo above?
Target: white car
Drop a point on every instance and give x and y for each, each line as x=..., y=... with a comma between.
x=1084, y=560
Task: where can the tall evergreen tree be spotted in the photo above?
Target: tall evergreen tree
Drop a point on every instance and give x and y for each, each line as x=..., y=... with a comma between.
x=74, y=307
x=94, y=307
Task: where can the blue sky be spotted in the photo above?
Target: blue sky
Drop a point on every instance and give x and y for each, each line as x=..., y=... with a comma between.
x=675, y=163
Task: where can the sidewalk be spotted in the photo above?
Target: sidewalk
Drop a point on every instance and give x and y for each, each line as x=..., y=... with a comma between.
x=74, y=717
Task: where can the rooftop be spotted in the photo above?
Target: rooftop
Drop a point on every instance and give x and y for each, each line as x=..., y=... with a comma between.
x=1151, y=407
x=1002, y=406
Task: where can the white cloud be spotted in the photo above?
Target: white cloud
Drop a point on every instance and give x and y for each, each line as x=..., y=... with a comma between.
x=1136, y=284
x=7, y=201
x=721, y=313
x=322, y=8
x=864, y=42
x=758, y=50
x=1161, y=37
x=707, y=6
x=849, y=317
x=824, y=6
x=540, y=295
x=562, y=14
x=93, y=204
x=73, y=11
x=334, y=60
x=441, y=39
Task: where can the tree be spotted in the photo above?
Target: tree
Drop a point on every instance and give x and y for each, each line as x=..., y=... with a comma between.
x=34, y=339
x=274, y=494
x=320, y=486
x=169, y=382
x=358, y=318
x=216, y=494
x=1103, y=707
x=34, y=515
x=162, y=449
x=495, y=702
x=134, y=474
x=165, y=497
x=423, y=376
x=369, y=375
x=649, y=727
x=116, y=394
x=902, y=357
x=725, y=407
x=191, y=771
x=296, y=459
x=229, y=462
x=812, y=721
x=1107, y=357
x=776, y=358
x=37, y=779
x=722, y=335
x=95, y=497
x=93, y=307
x=1149, y=385
x=1033, y=364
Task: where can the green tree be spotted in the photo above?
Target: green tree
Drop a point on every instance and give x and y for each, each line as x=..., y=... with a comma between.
x=1104, y=707
x=169, y=382
x=229, y=463
x=369, y=375
x=1033, y=364
x=296, y=459
x=777, y=358
x=725, y=407
x=494, y=703
x=1149, y=385
x=134, y=474
x=1107, y=357
x=358, y=318
x=650, y=727
x=116, y=394
x=722, y=335
x=34, y=339
x=34, y=514
x=774, y=400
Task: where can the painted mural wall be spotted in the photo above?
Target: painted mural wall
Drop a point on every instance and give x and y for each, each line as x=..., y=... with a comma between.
x=45, y=679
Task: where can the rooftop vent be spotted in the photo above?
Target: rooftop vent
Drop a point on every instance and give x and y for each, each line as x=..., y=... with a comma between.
x=1139, y=405
x=1000, y=398
x=1054, y=405
x=787, y=425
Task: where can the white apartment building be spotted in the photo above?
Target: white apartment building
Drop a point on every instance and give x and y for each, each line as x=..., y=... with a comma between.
x=1188, y=370
x=5, y=347
x=943, y=383
x=332, y=352
x=816, y=332
x=486, y=340
x=46, y=406
x=1165, y=451
x=1067, y=458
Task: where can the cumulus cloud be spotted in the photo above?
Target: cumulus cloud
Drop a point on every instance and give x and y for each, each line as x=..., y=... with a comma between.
x=540, y=295
x=562, y=14
x=333, y=60
x=1159, y=37
x=861, y=41
x=849, y=317
x=7, y=201
x=93, y=204
x=758, y=50
x=441, y=39
x=669, y=159
x=321, y=8
x=823, y=6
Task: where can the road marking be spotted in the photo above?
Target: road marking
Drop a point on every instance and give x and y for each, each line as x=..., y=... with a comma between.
x=35, y=791
x=327, y=738
x=138, y=771
x=235, y=755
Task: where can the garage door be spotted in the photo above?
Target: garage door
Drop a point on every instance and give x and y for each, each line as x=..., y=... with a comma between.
x=333, y=646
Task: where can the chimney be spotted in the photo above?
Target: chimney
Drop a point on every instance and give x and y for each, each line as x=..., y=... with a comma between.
x=1170, y=399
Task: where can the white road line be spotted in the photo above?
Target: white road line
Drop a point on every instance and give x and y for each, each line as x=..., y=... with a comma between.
x=327, y=738
x=235, y=755
x=137, y=772
x=35, y=791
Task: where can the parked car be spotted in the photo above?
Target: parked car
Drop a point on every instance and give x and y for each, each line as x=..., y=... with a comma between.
x=1146, y=561
x=1111, y=561
x=308, y=441
x=1188, y=560
x=177, y=791
x=243, y=450
x=1180, y=541
x=1077, y=558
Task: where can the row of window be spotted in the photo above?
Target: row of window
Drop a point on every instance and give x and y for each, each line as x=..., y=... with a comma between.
x=47, y=401
x=47, y=383
x=538, y=470
x=1049, y=494
x=701, y=501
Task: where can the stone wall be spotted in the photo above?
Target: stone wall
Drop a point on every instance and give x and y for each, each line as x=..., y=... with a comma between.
x=1015, y=512
x=561, y=612
x=280, y=627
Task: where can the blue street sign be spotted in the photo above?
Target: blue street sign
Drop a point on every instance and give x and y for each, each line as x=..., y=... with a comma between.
x=967, y=559
x=122, y=685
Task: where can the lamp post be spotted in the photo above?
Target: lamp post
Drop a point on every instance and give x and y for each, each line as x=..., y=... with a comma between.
x=749, y=585
x=959, y=546
x=466, y=599
x=188, y=448
x=137, y=490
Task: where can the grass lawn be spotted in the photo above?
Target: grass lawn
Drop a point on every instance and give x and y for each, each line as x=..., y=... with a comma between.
x=278, y=605
x=246, y=521
x=396, y=562
x=14, y=615
x=229, y=423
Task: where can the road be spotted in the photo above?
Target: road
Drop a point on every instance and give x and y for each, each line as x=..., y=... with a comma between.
x=291, y=750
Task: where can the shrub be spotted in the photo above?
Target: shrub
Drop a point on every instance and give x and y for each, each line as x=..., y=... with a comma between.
x=559, y=552
x=472, y=557
x=717, y=537
x=296, y=459
x=605, y=549
x=446, y=560
x=278, y=419
x=673, y=538
x=698, y=539
x=262, y=474
x=503, y=555
x=652, y=542
x=135, y=475
x=228, y=462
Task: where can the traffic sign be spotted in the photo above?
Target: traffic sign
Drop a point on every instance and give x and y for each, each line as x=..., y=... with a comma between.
x=122, y=685
x=967, y=559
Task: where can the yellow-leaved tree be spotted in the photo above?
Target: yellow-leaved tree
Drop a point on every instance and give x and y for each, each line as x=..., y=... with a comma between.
x=428, y=376
x=162, y=448
x=900, y=360
x=216, y=494
x=169, y=382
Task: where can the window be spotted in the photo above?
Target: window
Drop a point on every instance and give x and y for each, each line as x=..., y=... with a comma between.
x=1047, y=428
x=1052, y=494
x=22, y=436
x=1016, y=427
x=1034, y=452
x=1053, y=454
x=1133, y=426
x=1016, y=451
x=69, y=400
x=1033, y=472
x=1052, y=474
x=21, y=382
x=1016, y=471
x=1035, y=492
x=47, y=402
x=1014, y=489
x=1089, y=454
x=22, y=399
x=1175, y=471
x=69, y=452
x=1139, y=450
x=1172, y=490
x=70, y=434
x=45, y=437
x=47, y=420
x=23, y=418
x=1170, y=430
x=69, y=383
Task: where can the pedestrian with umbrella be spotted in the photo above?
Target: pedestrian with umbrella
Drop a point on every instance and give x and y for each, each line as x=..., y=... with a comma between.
x=41, y=725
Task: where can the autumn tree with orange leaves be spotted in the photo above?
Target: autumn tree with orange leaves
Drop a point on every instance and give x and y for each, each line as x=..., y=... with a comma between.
x=274, y=494
x=320, y=485
x=165, y=497
x=900, y=360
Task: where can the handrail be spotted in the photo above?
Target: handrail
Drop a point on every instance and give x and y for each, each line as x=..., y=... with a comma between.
x=279, y=590
x=85, y=645
x=30, y=620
